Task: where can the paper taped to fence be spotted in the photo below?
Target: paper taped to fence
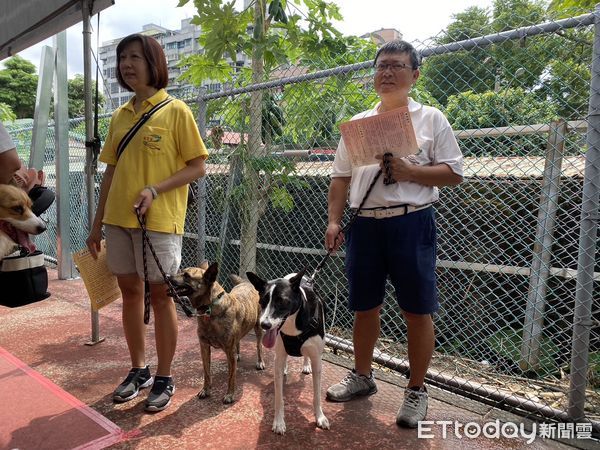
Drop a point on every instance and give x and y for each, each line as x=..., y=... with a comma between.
x=100, y=284
x=388, y=132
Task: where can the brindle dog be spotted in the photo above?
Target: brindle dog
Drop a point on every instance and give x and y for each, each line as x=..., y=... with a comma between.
x=223, y=318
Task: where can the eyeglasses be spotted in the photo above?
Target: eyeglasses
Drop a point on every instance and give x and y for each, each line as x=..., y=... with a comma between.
x=395, y=67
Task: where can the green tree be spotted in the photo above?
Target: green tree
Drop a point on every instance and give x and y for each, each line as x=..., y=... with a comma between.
x=449, y=74
x=76, y=96
x=485, y=68
x=18, y=86
x=571, y=7
x=268, y=32
x=6, y=113
x=514, y=106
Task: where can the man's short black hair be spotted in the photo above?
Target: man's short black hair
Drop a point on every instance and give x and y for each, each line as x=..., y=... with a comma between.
x=400, y=46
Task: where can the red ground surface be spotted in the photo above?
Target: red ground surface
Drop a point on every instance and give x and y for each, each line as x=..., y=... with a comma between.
x=62, y=393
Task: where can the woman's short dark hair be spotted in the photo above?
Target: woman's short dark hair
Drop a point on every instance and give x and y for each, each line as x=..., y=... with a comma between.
x=155, y=57
x=399, y=46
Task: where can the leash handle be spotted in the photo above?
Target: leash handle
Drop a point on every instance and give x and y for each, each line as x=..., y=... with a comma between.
x=387, y=178
x=171, y=291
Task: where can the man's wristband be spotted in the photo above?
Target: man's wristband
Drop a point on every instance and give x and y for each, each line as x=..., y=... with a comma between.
x=153, y=191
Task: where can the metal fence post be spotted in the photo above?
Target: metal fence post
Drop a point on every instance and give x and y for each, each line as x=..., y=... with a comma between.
x=201, y=193
x=90, y=168
x=582, y=318
x=41, y=114
x=61, y=135
x=542, y=248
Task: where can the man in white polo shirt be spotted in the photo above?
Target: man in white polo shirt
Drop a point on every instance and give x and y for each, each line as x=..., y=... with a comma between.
x=395, y=232
x=9, y=159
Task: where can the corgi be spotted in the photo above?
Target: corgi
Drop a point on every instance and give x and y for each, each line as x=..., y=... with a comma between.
x=17, y=221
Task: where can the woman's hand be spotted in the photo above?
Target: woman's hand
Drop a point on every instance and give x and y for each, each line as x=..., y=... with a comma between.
x=144, y=201
x=93, y=240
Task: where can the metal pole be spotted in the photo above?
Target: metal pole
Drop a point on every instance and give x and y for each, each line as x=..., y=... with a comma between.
x=542, y=248
x=590, y=203
x=90, y=170
x=61, y=137
x=41, y=114
x=201, y=193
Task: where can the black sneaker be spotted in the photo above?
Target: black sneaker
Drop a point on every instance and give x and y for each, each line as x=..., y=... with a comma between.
x=160, y=395
x=130, y=387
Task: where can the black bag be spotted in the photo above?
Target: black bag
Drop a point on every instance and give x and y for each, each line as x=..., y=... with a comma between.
x=23, y=280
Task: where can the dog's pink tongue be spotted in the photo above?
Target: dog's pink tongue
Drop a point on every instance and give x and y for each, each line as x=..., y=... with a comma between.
x=20, y=237
x=269, y=338
x=24, y=241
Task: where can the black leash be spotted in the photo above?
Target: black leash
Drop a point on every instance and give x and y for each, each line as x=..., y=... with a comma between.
x=387, y=179
x=183, y=301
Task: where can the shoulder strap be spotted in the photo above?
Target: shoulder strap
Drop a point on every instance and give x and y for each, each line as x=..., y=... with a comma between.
x=139, y=125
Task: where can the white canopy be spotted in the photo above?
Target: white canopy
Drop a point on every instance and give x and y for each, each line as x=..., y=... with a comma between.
x=24, y=23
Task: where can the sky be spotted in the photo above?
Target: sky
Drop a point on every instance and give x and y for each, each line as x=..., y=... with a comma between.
x=416, y=20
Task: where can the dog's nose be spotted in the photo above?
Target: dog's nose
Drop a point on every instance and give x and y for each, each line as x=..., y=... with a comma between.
x=40, y=229
x=265, y=325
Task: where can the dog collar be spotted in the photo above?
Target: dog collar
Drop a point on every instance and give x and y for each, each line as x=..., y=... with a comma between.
x=206, y=310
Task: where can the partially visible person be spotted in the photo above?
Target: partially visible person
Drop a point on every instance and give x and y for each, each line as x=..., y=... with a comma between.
x=394, y=234
x=9, y=159
x=151, y=175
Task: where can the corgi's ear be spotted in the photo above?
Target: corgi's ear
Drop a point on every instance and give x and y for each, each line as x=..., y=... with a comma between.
x=258, y=283
x=297, y=279
x=210, y=276
x=203, y=265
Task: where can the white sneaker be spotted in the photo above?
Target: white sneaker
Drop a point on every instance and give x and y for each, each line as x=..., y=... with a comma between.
x=353, y=385
x=414, y=408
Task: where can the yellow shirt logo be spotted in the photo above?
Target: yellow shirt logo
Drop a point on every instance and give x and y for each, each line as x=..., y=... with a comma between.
x=152, y=141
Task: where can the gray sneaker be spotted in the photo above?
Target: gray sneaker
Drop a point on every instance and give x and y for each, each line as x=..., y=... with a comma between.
x=351, y=386
x=130, y=387
x=414, y=408
x=160, y=395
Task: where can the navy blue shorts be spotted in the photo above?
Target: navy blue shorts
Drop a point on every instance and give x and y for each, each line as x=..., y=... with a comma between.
x=401, y=247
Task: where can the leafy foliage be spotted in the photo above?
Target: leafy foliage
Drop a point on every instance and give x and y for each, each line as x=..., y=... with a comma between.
x=77, y=97
x=469, y=110
x=18, y=86
x=507, y=344
x=6, y=113
x=277, y=35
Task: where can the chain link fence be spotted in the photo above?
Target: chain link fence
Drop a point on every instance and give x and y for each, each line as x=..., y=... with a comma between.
x=517, y=97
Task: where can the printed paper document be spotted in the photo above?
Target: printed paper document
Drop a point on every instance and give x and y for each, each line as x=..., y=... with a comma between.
x=389, y=132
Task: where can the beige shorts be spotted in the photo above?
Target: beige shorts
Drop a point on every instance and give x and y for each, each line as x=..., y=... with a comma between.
x=124, y=252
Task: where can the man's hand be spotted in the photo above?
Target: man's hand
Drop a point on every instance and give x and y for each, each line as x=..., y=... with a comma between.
x=334, y=237
x=401, y=169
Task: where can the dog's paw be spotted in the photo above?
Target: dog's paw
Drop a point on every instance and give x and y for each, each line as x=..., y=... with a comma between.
x=260, y=365
x=278, y=427
x=204, y=393
x=323, y=423
x=307, y=369
x=229, y=398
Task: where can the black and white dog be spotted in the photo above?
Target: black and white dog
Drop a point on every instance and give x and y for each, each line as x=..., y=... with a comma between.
x=293, y=318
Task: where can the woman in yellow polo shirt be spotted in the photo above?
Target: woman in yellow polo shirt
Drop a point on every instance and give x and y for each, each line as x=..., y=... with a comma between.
x=151, y=174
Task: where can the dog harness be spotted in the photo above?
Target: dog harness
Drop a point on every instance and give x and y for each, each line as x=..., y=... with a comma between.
x=293, y=344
